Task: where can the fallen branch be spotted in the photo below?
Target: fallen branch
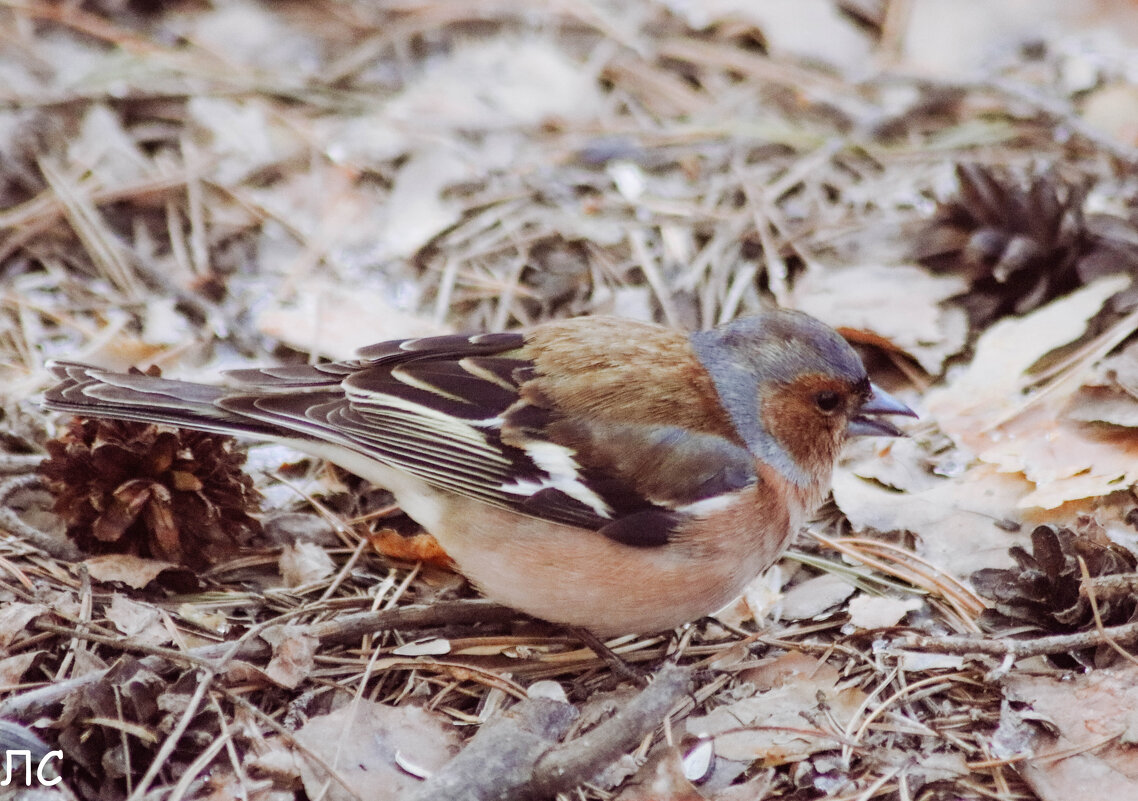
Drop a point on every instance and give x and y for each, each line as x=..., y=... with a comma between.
x=564, y=768
x=516, y=756
x=499, y=760
x=1125, y=634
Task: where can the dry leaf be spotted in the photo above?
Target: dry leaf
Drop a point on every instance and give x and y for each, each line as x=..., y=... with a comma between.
x=121, y=350
x=940, y=40
x=133, y=571
x=428, y=646
x=901, y=464
x=877, y=612
x=421, y=547
x=955, y=520
x=983, y=408
x=107, y=150
x=661, y=778
x=814, y=30
x=238, y=671
x=14, y=619
x=335, y=321
x=498, y=83
x=140, y=622
x=305, y=563
x=865, y=298
x=242, y=136
x=784, y=722
x=1094, y=718
x=989, y=387
x=815, y=596
x=757, y=787
x=199, y=615
x=1121, y=370
x=418, y=211
x=491, y=85
x=1110, y=394
x=276, y=760
x=256, y=37
x=294, y=654
x=1104, y=405
x=370, y=745
x=547, y=688
x=761, y=598
x=1065, y=459
x=1113, y=109
x=13, y=668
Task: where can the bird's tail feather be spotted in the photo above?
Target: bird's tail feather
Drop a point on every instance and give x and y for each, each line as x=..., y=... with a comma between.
x=88, y=391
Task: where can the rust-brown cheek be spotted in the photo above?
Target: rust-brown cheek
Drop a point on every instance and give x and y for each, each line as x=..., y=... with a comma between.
x=811, y=438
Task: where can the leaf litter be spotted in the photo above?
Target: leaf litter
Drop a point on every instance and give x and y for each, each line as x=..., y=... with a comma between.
x=202, y=187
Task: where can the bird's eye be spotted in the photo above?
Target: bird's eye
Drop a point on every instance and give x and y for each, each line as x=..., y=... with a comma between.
x=827, y=400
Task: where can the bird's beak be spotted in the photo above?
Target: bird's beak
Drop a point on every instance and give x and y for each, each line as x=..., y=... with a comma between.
x=867, y=421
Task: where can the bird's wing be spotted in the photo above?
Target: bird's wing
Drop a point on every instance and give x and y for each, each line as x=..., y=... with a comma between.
x=463, y=414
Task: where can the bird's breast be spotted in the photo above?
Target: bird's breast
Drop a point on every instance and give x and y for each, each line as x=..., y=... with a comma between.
x=579, y=577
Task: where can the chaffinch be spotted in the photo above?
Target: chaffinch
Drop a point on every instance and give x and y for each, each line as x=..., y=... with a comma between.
x=598, y=472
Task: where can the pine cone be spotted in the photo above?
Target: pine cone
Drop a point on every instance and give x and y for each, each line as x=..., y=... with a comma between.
x=1041, y=595
x=126, y=487
x=1017, y=239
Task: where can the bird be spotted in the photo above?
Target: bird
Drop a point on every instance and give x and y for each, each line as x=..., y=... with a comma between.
x=607, y=474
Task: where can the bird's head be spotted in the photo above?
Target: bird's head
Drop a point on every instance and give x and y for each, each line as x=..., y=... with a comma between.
x=795, y=390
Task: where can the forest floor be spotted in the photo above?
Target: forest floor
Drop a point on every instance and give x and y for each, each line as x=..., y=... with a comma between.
x=202, y=186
